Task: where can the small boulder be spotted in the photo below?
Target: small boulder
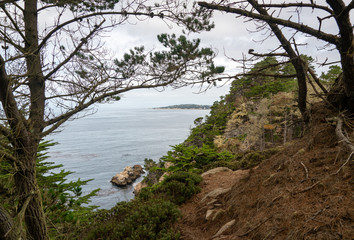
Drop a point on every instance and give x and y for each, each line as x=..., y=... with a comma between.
x=119, y=180
x=127, y=176
x=215, y=193
x=138, y=170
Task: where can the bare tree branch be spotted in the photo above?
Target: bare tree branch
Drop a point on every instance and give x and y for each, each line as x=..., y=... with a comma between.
x=267, y=18
x=14, y=23
x=77, y=48
x=15, y=118
x=251, y=51
x=297, y=5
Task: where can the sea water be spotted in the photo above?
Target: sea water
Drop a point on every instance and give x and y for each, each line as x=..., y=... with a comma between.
x=103, y=144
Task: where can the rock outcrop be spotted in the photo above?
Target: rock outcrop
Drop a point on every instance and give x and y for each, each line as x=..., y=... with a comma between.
x=138, y=187
x=127, y=176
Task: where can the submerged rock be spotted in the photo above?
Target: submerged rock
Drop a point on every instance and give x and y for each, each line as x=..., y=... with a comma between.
x=127, y=176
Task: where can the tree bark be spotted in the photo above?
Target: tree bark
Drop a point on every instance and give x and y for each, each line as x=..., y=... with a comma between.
x=346, y=51
x=6, y=226
x=25, y=178
x=30, y=196
x=26, y=133
x=34, y=69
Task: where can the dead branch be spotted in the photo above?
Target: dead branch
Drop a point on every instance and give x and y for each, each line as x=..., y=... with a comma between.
x=78, y=47
x=255, y=227
x=350, y=156
x=317, y=80
x=317, y=213
x=306, y=170
x=269, y=19
x=251, y=51
x=335, y=160
x=296, y=5
x=308, y=188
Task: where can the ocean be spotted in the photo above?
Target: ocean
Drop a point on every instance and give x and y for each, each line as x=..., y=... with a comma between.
x=103, y=144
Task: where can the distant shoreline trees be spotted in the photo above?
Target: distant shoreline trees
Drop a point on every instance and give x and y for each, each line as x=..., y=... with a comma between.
x=185, y=106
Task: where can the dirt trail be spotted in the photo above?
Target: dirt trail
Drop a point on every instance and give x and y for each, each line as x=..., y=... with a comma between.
x=195, y=209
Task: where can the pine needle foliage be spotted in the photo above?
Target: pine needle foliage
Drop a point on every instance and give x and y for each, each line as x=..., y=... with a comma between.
x=64, y=202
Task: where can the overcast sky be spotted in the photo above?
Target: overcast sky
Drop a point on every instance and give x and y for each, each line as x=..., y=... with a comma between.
x=145, y=33
x=230, y=37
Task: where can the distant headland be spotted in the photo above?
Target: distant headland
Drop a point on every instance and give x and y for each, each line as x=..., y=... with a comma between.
x=186, y=106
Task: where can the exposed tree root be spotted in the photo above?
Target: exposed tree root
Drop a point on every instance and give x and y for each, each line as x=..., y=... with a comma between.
x=317, y=213
x=307, y=189
x=343, y=139
x=346, y=142
x=254, y=228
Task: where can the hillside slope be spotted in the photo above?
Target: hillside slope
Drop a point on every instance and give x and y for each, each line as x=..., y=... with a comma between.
x=304, y=191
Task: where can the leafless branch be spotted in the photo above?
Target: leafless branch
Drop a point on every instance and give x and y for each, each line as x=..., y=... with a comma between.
x=296, y=5
x=77, y=48
x=297, y=26
x=251, y=51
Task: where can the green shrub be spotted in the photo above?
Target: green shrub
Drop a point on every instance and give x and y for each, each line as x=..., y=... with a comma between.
x=252, y=159
x=192, y=158
x=215, y=124
x=64, y=203
x=178, y=188
x=155, y=171
x=136, y=220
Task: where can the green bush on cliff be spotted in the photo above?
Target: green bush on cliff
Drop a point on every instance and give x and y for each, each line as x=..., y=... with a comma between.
x=135, y=220
x=177, y=188
x=63, y=201
x=267, y=77
x=193, y=158
x=245, y=160
x=180, y=186
x=215, y=123
x=155, y=171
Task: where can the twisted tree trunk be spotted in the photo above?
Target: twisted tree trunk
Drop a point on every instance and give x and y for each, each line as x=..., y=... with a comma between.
x=31, y=209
